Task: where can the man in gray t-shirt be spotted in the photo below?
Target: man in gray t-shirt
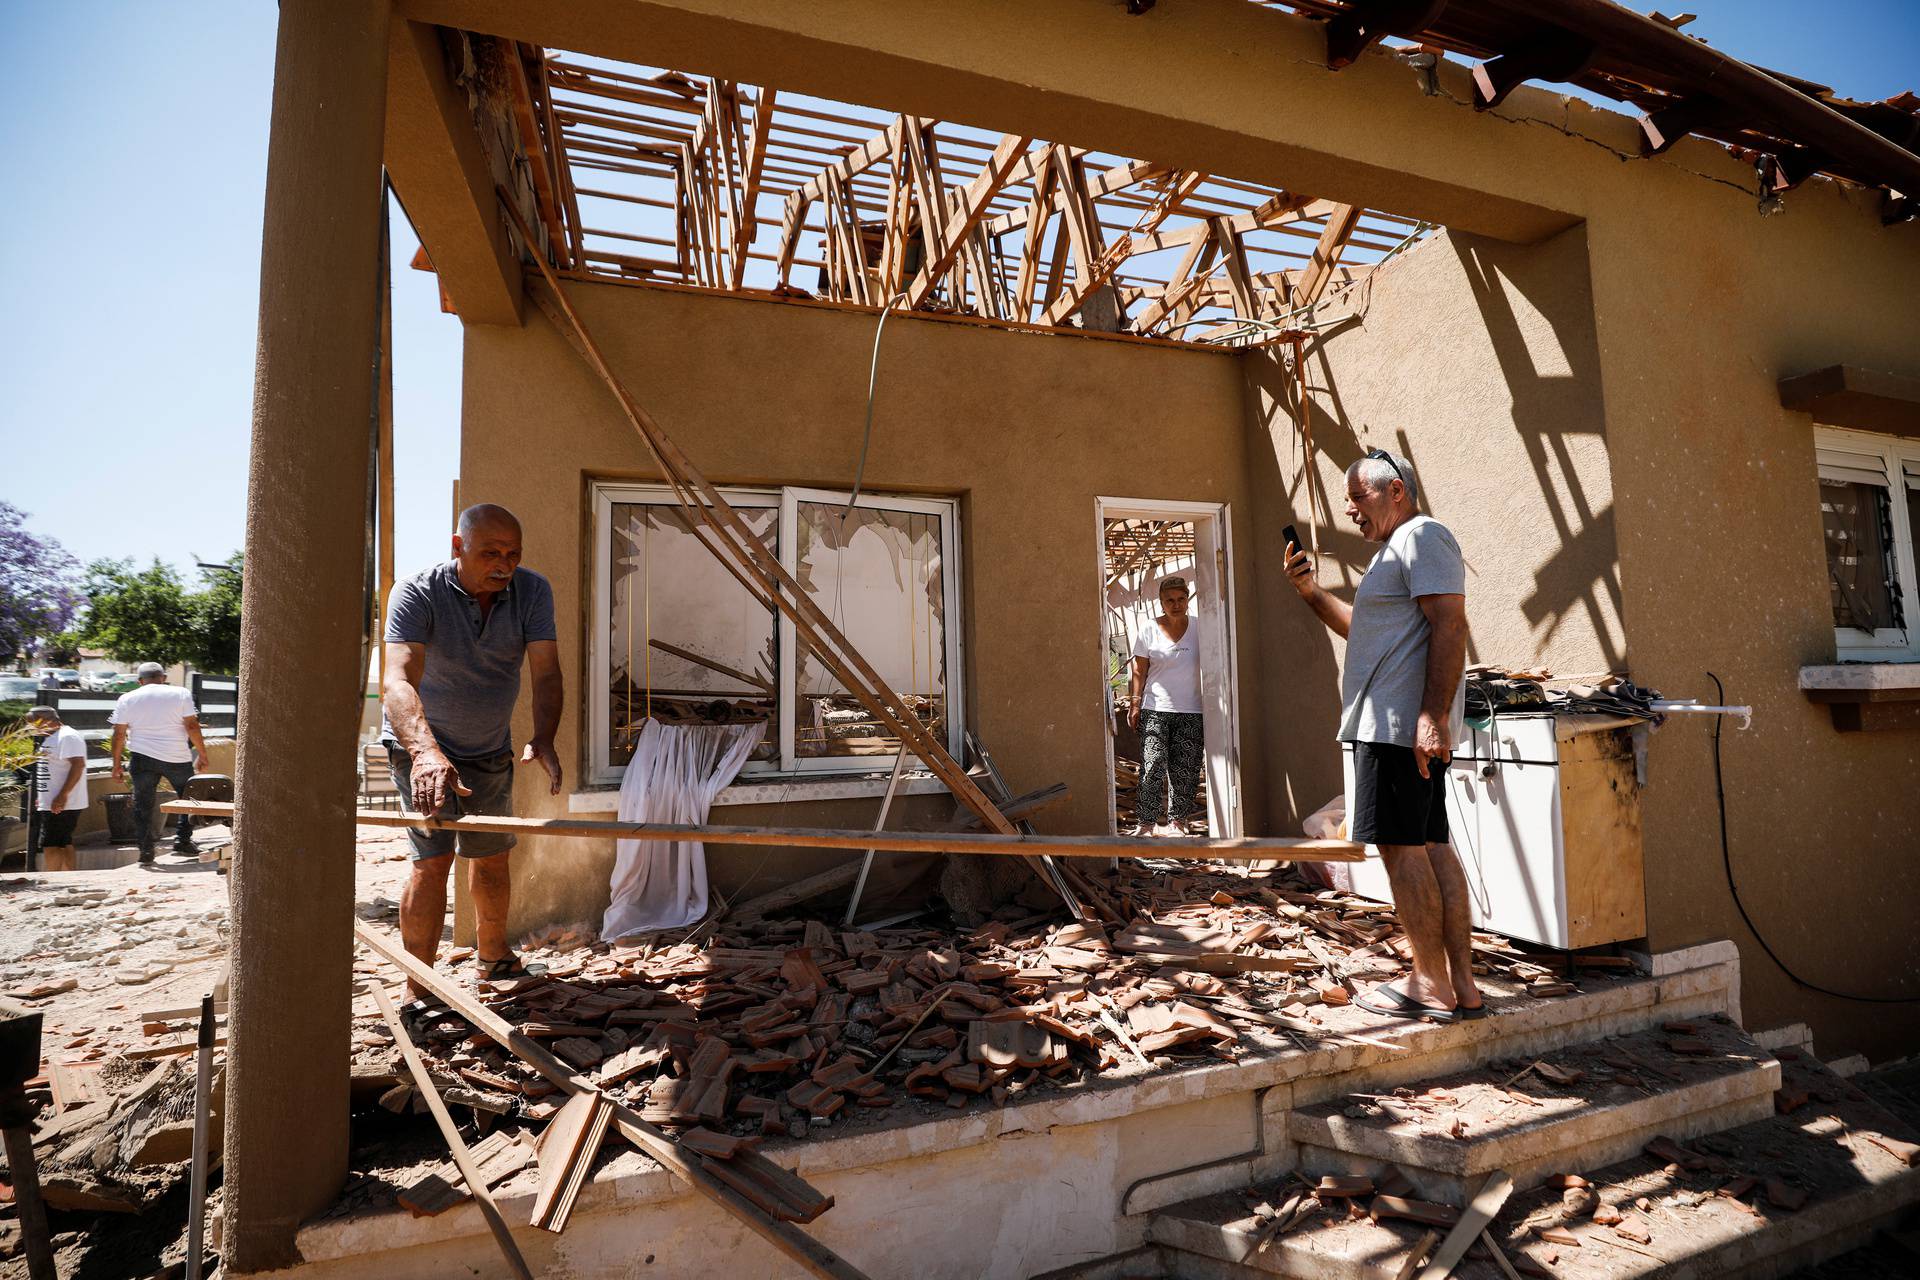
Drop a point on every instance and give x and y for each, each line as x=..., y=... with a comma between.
x=455, y=639
x=1402, y=703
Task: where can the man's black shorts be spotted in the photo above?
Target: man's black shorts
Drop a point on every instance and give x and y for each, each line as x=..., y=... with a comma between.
x=1392, y=803
x=56, y=829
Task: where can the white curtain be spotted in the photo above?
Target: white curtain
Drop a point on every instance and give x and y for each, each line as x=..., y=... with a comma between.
x=675, y=773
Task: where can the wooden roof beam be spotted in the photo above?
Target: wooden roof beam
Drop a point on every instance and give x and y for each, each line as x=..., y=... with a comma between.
x=967, y=208
x=1557, y=56
x=1787, y=110
x=1326, y=255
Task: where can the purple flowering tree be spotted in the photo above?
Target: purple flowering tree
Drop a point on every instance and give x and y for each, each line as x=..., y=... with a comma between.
x=39, y=585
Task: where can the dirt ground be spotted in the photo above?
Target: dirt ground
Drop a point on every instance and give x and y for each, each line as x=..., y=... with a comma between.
x=105, y=948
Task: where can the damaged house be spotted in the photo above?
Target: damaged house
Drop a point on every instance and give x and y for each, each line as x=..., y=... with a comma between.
x=857, y=369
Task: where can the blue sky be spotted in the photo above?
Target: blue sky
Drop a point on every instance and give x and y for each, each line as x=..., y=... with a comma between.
x=136, y=141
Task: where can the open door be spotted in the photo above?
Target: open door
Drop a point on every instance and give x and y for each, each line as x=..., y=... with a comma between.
x=1142, y=541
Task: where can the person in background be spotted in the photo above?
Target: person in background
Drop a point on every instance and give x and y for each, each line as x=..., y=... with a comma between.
x=159, y=726
x=60, y=787
x=1403, y=705
x=1165, y=708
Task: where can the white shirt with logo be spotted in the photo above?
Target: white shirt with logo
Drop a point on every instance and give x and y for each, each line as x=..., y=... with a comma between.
x=155, y=716
x=61, y=746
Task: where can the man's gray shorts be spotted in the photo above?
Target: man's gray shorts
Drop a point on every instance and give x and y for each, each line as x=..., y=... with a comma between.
x=490, y=778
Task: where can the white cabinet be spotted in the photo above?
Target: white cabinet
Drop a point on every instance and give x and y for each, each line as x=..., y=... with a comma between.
x=1545, y=814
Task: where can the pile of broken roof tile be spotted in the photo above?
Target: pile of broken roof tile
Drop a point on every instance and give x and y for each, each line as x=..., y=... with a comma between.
x=787, y=1026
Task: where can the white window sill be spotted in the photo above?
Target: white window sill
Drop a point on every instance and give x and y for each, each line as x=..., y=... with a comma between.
x=787, y=790
x=1891, y=681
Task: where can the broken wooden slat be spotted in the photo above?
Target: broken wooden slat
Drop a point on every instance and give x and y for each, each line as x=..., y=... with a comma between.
x=462, y=1160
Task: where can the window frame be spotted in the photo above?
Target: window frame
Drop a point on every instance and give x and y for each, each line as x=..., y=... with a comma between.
x=1897, y=455
x=785, y=500
x=948, y=509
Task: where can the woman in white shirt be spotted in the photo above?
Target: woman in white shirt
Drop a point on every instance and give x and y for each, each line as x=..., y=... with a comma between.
x=1165, y=707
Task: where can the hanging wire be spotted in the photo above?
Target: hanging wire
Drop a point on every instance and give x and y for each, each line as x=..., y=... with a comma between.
x=873, y=381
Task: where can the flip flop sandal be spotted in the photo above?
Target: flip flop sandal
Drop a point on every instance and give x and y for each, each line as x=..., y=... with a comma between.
x=507, y=968
x=1474, y=1014
x=1392, y=1002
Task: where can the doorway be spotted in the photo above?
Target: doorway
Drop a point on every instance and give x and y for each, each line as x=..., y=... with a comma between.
x=1142, y=541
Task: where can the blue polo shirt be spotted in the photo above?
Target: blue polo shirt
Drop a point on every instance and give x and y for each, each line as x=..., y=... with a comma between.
x=472, y=675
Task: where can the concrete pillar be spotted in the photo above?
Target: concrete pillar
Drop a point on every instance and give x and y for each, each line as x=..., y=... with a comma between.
x=303, y=611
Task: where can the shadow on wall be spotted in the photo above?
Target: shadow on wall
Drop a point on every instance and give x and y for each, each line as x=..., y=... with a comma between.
x=1550, y=407
x=1478, y=362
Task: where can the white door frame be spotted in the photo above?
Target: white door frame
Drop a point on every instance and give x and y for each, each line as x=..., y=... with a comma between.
x=1219, y=647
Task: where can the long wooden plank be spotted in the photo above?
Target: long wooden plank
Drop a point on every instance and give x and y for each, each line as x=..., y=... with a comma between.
x=1228, y=849
x=462, y=1158
x=1493, y=1193
x=789, y=1239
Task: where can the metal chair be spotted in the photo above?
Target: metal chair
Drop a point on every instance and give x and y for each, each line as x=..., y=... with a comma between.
x=376, y=778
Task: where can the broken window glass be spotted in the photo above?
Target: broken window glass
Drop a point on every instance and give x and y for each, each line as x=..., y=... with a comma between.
x=1857, y=516
x=687, y=643
x=877, y=573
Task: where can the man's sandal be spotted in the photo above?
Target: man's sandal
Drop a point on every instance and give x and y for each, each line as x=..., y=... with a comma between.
x=1392, y=1002
x=507, y=968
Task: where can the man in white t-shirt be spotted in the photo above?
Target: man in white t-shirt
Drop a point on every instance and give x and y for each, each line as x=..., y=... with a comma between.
x=159, y=726
x=1166, y=709
x=60, y=788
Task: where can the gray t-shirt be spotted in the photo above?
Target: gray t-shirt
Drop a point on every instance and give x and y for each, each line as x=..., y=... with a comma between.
x=1386, y=670
x=472, y=674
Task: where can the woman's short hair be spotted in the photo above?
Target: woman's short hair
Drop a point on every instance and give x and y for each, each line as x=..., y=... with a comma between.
x=1174, y=583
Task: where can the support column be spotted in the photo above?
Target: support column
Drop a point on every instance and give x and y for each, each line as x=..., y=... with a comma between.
x=292, y=890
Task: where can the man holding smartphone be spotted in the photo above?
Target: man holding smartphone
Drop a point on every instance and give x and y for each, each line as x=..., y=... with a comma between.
x=1403, y=704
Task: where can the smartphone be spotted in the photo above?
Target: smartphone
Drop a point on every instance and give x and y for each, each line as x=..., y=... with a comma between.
x=1290, y=534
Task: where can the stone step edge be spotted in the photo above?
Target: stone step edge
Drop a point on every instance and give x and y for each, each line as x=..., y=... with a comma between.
x=1479, y=1154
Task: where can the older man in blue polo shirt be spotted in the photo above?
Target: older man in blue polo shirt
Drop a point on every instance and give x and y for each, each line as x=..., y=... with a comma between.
x=455, y=640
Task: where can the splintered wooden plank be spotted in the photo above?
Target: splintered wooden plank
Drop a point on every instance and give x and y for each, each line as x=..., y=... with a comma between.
x=469, y=1172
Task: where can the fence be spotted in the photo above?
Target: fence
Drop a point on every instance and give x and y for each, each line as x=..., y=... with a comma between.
x=217, y=697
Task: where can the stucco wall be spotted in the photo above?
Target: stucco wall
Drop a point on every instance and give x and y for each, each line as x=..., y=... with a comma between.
x=1702, y=306
x=1026, y=429
x=1475, y=359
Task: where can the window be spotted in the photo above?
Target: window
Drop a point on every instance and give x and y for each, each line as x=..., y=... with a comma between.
x=677, y=637
x=1869, y=513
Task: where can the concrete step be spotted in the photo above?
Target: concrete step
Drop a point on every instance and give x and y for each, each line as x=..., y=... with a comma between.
x=1447, y=1133
x=1676, y=1226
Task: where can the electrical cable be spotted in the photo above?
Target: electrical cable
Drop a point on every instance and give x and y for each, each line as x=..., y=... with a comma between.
x=1726, y=858
x=873, y=381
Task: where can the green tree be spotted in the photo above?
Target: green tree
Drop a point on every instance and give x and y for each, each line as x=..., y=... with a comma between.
x=217, y=619
x=141, y=615
x=61, y=650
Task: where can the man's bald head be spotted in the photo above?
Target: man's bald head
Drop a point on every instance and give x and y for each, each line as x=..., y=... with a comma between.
x=487, y=516
x=487, y=546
